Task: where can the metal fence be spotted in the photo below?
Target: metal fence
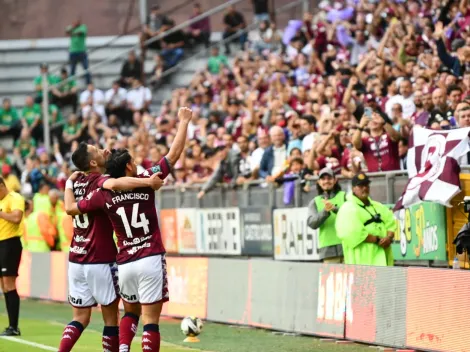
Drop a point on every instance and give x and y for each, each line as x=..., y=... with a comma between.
x=386, y=187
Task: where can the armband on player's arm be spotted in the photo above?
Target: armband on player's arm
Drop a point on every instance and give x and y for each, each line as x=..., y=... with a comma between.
x=70, y=203
x=163, y=167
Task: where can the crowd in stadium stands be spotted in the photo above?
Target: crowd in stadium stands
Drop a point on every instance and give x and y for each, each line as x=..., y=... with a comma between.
x=341, y=88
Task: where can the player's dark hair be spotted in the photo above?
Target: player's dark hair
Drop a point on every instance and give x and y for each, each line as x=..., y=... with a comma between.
x=116, y=164
x=81, y=158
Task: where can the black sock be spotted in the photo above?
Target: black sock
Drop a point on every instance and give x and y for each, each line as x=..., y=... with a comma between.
x=6, y=301
x=13, y=307
x=111, y=331
x=152, y=327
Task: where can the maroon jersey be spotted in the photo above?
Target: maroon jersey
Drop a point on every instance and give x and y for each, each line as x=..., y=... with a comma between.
x=92, y=241
x=381, y=153
x=133, y=215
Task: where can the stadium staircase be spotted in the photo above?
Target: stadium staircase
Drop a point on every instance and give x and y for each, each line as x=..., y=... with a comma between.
x=20, y=60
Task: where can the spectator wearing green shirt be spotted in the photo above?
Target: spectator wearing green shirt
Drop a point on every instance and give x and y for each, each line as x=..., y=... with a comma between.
x=77, y=49
x=25, y=145
x=31, y=118
x=216, y=61
x=73, y=130
x=51, y=79
x=66, y=92
x=9, y=120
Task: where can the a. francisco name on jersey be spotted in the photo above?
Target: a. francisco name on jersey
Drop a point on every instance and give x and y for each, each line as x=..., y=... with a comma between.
x=134, y=217
x=92, y=240
x=130, y=196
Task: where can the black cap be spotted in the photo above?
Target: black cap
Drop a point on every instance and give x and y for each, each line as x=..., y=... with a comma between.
x=44, y=65
x=233, y=102
x=360, y=179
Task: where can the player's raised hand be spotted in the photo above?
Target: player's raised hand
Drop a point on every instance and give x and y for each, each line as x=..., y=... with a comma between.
x=185, y=114
x=155, y=181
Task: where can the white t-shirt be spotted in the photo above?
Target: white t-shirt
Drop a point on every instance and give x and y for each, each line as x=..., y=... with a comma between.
x=308, y=140
x=98, y=103
x=138, y=97
x=256, y=157
x=97, y=96
x=115, y=98
x=280, y=157
x=407, y=104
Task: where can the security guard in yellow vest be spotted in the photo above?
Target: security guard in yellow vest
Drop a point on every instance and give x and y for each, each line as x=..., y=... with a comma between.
x=65, y=230
x=58, y=220
x=322, y=212
x=41, y=199
x=39, y=232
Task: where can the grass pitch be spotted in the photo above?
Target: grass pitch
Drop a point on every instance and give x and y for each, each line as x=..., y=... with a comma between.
x=41, y=325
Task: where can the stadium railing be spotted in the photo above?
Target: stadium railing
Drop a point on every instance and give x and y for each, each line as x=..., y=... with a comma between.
x=386, y=187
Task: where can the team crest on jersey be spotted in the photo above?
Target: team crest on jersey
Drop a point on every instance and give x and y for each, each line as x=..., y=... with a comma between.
x=156, y=169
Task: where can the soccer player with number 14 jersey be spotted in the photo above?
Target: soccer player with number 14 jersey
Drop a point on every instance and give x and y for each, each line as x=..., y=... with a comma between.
x=141, y=256
x=92, y=272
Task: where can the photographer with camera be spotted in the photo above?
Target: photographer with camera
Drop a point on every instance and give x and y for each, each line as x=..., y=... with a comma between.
x=365, y=227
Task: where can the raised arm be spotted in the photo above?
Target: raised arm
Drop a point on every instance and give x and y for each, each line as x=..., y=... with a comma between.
x=184, y=115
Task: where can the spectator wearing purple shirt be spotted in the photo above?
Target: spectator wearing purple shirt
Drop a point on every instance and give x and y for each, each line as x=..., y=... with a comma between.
x=200, y=31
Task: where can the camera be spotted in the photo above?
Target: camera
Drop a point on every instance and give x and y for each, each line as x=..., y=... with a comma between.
x=376, y=218
x=466, y=204
x=462, y=240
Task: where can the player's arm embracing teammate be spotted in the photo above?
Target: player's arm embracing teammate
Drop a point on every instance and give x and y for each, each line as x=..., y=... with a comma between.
x=141, y=261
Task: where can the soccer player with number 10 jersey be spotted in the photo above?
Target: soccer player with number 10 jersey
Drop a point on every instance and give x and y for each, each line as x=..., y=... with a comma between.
x=141, y=256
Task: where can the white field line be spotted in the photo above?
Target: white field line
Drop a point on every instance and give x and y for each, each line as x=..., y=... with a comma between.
x=136, y=339
x=29, y=343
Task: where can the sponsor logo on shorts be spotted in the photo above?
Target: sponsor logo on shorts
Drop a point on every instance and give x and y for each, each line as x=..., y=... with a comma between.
x=129, y=298
x=77, y=250
x=76, y=301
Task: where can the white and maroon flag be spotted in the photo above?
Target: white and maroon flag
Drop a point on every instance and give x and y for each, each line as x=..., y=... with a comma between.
x=433, y=166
